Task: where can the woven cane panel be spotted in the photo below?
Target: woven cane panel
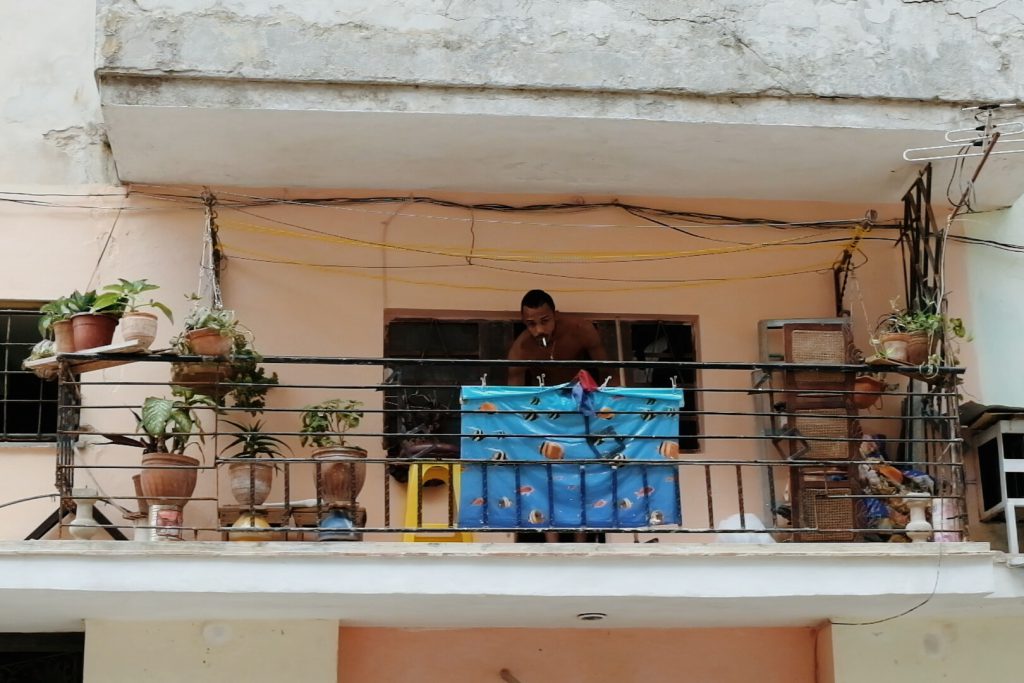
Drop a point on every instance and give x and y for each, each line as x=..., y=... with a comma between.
x=822, y=512
x=835, y=426
x=819, y=347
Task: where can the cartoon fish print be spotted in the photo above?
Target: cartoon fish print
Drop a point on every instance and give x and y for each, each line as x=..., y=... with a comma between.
x=488, y=407
x=625, y=503
x=600, y=503
x=477, y=434
x=530, y=416
x=478, y=501
x=605, y=413
x=648, y=416
x=657, y=517
x=552, y=450
x=525, y=490
x=645, y=491
x=535, y=401
x=669, y=449
x=651, y=401
x=497, y=454
x=504, y=502
x=500, y=434
x=554, y=415
x=536, y=517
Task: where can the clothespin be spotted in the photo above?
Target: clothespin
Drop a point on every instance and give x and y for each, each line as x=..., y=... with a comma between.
x=540, y=380
x=674, y=381
x=604, y=384
x=483, y=380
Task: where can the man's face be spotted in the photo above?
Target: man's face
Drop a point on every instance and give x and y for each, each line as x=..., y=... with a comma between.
x=540, y=323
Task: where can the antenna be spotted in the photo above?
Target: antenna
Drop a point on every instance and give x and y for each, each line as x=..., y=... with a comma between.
x=978, y=140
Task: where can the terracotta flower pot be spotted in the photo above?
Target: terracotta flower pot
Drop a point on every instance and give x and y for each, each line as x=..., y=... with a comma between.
x=342, y=481
x=139, y=327
x=209, y=342
x=251, y=475
x=168, y=478
x=92, y=330
x=894, y=346
x=919, y=347
x=64, y=337
x=869, y=390
x=202, y=378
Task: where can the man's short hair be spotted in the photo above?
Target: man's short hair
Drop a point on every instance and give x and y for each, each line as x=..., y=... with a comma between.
x=536, y=298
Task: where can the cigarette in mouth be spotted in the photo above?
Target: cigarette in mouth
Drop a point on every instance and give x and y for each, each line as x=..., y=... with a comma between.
x=544, y=342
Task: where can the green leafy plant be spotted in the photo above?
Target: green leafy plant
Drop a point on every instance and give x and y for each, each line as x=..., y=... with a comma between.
x=250, y=379
x=252, y=442
x=81, y=302
x=55, y=311
x=927, y=321
x=168, y=425
x=325, y=424
x=129, y=292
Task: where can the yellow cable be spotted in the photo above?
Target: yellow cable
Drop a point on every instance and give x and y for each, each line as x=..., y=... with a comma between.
x=513, y=255
x=463, y=286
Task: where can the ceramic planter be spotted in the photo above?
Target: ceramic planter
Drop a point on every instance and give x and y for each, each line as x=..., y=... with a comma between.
x=868, y=391
x=168, y=478
x=894, y=346
x=919, y=347
x=202, y=378
x=209, y=342
x=251, y=477
x=140, y=328
x=91, y=330
x=342, y=473
x=63, y=337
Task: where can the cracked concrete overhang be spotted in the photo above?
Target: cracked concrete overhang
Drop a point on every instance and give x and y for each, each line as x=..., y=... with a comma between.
x=790, y=100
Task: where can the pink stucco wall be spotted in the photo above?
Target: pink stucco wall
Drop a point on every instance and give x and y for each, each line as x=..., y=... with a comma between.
x=372, y=655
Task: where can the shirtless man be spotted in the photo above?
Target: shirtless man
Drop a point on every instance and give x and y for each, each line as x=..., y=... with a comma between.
x=550, y=335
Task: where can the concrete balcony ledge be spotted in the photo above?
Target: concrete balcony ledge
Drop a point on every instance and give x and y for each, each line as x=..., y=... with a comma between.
x=54, y=585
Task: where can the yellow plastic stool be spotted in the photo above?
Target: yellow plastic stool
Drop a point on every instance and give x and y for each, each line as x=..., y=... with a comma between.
x=419, y=474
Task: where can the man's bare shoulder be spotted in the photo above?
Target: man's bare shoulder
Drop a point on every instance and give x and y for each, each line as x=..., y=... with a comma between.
x=519, y=349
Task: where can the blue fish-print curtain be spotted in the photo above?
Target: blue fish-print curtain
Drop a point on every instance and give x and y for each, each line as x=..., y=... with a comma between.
x=502, y=426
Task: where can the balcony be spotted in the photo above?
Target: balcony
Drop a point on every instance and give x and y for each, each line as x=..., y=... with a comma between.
x=673, y=101
x=651, y=573
x=775, y=453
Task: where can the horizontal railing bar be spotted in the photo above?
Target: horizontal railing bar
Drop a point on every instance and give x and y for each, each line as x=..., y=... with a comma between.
x=543, y=435
x=535, y=463
x=484, y=362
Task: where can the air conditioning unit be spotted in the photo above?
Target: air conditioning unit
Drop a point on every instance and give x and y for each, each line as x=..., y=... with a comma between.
x=1000, y=450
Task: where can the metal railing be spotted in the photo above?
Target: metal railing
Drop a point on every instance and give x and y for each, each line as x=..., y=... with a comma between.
x=780, y=460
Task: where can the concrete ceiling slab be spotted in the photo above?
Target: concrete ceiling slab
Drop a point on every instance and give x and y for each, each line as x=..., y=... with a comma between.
x=529, y=154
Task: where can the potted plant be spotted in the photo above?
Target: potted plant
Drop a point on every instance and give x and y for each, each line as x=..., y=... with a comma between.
x=94, y=318
x=251, y=480
x=211, y=331
x=325, y=425
x=912, y=336
x=55, y=322
x=138, y=325
x=168, y=426
x=868, y=390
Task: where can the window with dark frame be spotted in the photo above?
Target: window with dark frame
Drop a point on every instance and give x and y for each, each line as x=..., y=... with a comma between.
x=434, y=407
x=28, y=404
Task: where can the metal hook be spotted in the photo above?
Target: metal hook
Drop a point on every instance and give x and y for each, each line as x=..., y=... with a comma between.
x=675, y=379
